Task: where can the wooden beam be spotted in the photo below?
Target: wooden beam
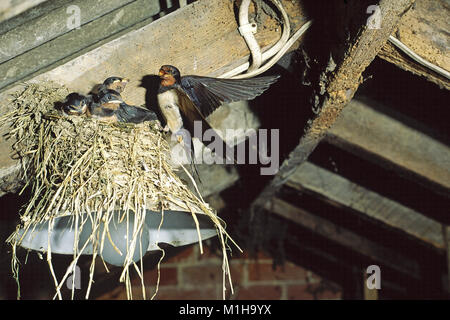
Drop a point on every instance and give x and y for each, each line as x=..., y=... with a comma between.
x=341, y=192
x=343, y=237
x=54, y=23
x=54, y=42
x=342, y=85
x=209, y=44
x=11, y=8
x=424, y=29
x=362, y=129
x=446, y=236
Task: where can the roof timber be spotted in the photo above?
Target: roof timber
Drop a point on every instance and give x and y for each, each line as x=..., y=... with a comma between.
x=411, y=152
x=344, y=237
x=11, y=8
x=341, y=192
x=446, y=236
x=424, y=29
x=339, y=91
x=209, y=44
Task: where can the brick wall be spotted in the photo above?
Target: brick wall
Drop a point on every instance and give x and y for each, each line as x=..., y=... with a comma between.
x=191, y=275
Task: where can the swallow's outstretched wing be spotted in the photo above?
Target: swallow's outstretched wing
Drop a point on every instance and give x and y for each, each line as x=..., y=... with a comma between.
x=209, y=93
x=191, y=113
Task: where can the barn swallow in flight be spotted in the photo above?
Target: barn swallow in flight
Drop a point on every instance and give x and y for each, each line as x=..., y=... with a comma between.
x=184, y=100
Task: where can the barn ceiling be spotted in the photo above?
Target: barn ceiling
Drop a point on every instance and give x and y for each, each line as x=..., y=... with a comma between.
x=364, y=173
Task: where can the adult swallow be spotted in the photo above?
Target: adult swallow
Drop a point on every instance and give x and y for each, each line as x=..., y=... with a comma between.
x=184, y=100
x=111, y=107
x=76, y=104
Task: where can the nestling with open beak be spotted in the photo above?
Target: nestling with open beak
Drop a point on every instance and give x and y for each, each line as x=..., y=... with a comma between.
x=184, y=100
x=107, y=104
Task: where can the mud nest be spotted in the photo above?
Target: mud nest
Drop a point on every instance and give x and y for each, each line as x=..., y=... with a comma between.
x=87, y=169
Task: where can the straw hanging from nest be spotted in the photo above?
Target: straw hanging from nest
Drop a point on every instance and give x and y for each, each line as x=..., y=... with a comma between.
x=98, y=174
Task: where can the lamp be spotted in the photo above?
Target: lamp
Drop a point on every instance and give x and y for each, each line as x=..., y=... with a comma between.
x=176, y=228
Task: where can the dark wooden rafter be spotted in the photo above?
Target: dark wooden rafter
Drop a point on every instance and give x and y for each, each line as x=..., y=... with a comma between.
x=344, y=237
x=369, y=133
x=340, y=192
x=339, y=91
x=424, y=29
x=57, y=42
x=446, y=236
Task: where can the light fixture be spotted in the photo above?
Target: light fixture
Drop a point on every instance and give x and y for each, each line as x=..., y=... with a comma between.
x=176, y=228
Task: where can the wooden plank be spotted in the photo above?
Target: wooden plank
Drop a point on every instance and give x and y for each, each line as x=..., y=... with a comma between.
x=52, y=25
x=210, y=44
x=404, y=148
x=340, y=87
x=47, y=39
x=341, y=192
x=11, y=8
x=446, y=236
x=424, y=29
x=343, y=237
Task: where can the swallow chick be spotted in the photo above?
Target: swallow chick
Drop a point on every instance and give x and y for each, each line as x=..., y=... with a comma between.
x=184, y=100
x=111, y=107
x=117, y=84
x=76, y=104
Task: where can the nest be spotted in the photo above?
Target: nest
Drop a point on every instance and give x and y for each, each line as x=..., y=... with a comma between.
x=87, y=169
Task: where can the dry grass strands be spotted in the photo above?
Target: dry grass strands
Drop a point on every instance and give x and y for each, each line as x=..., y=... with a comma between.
x=91, y=171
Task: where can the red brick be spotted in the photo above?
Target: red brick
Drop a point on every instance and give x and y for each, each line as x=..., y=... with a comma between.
x=265, y=272
x=210, y=256
x=210, y=274
x=257, y=292
x=312, y=277
x=330, y=295
x=312, y=292
x=168, y=276
x=120, y=293
x=187, y=294
x=186, y=255
x=260, y=257
x=116, y=294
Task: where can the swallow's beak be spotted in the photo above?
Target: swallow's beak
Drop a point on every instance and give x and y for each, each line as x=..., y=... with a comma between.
x=126, y=80
x=161, y=73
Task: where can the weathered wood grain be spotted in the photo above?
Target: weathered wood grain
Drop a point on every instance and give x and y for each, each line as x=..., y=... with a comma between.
x=34, y=46
x=409, y=150
x=339, y=88
x=201, y=38
x=446, y=236
x=424, y=29
x=343, y=237
x=11, y=8
x=341, y=192
x=54, y=24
